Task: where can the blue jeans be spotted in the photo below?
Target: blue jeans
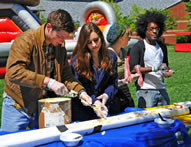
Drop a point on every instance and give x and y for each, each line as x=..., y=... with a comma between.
x=152, y=98
x=14, y=118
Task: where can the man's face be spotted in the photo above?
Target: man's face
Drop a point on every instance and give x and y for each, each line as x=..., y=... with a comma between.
x=152, y=33
x=56, y=37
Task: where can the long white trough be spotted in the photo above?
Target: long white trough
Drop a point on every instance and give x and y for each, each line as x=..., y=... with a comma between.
x=47, y=135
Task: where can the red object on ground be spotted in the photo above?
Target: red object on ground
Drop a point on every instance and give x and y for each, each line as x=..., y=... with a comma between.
x=2, y=72
x=183, y=47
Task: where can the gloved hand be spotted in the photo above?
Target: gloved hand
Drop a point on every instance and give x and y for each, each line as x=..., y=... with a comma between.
x=58, y=87
x=86, y=100
x=162, y=66
x=100, y=109
x=104, y=97
x=135, y=76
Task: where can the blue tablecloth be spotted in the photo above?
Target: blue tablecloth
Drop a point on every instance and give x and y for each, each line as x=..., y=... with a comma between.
x=140, y=135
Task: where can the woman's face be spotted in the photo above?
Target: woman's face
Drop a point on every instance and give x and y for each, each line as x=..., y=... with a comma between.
x=94, y=42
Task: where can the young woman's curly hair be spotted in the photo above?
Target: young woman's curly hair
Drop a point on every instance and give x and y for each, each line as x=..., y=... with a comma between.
x=148, y=17
x=84, y=60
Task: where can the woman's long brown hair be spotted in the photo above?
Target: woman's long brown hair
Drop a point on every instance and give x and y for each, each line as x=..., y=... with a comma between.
x=84, y=60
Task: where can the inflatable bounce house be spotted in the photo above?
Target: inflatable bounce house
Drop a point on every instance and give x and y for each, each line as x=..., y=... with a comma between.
x=99, y=13
x=16, y=18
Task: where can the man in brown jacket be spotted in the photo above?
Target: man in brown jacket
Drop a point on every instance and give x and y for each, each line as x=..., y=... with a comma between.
x=37, y=68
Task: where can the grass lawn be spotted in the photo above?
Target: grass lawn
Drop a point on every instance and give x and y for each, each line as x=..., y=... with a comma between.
x=178, y=86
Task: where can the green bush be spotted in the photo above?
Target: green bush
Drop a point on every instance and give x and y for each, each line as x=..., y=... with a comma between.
x=183, y=39
x=41, y=14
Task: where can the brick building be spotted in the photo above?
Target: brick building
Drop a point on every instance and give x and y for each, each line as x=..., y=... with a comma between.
x=178, y=10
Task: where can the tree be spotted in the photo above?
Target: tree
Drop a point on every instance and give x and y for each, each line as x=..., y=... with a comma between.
x=41, y=14
x=136, y=12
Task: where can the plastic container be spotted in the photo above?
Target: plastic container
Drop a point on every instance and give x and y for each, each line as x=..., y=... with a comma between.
x=54, y=112
x=164, y=124
x=71, y=139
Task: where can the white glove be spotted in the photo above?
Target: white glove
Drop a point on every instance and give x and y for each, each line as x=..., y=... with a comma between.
x=100, y=109
x=86, y=100
x=58, y=87
x=104, y=97
x=135, y=76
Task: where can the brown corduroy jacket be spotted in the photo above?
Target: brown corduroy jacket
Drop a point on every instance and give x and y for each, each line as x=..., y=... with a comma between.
x=26, y=68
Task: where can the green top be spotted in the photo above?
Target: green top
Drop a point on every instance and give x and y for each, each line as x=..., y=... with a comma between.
x=120, y=65
x=120, y=69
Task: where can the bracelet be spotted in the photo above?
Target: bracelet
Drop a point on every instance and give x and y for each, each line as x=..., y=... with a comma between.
x=153, y=69
x=50, y=83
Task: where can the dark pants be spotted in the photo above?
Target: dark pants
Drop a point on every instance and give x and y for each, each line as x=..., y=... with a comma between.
x=122, y=100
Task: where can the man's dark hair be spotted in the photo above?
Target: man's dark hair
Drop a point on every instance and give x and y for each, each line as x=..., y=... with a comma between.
x=61, y=20
x=148, y=17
